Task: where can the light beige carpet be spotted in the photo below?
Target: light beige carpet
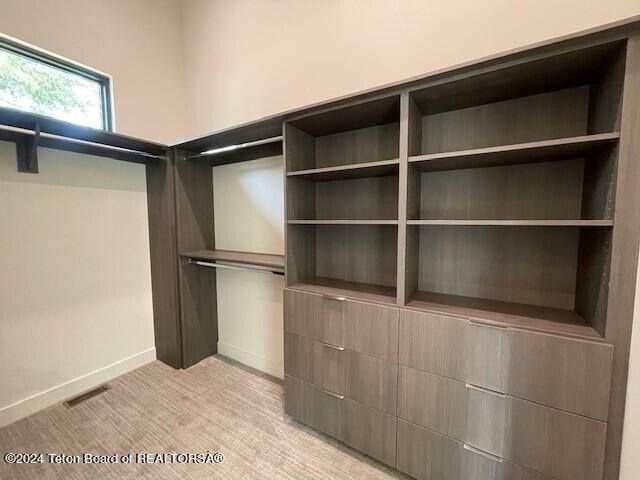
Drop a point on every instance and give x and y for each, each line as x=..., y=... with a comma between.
x=214, y=406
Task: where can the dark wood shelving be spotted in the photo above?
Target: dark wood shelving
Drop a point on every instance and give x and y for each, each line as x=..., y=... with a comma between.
x=529, y=152
x=353, y=290
x=48, y=125
x=247, y=258
x=342, y=222
x=532, y=223
x=356, y=170
x=533, y=317
x=30, y=131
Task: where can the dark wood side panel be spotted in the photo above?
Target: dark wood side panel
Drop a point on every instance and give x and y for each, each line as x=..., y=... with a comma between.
x=624, y=254
x=194, y=208
x=164, y=260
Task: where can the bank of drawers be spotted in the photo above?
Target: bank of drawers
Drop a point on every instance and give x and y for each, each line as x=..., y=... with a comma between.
x=544, y=439
x=560, y=372
x=534, y=399
x=467, y=400
x=341, y=369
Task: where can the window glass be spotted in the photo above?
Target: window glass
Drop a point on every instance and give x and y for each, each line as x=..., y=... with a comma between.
x=40, y=86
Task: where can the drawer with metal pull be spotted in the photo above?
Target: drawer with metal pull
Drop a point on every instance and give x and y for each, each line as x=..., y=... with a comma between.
x=357, y=326
x=567, y=373
x=557, y=443
x=364, y=428
x=364, y=378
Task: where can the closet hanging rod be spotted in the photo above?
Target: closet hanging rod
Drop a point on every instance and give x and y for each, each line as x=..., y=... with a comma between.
x=59, y=138
x=239, y=146
x=234, y=266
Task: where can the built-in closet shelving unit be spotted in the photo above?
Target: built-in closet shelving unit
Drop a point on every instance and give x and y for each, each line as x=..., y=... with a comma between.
x=183, y=250
x=461, y=260
x=342, y=171
x=511, y=191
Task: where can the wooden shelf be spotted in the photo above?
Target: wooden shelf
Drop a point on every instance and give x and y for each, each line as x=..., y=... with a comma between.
x=30, y=131
x=504, y=313
x=353, y=290
x=246, y=258
x=530, y=152
x=380, y=168
x=342, y=222
x=531, y=223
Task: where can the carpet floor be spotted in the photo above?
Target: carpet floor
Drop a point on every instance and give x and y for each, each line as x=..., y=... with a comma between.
x=214, y=406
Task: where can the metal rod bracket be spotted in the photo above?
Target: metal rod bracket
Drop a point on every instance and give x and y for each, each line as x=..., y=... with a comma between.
x=27, y=151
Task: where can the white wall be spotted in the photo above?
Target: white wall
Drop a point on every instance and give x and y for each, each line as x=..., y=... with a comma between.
x=248, y=58
x=249, y=217
x=631, y=437
x=75, y=282
x=137, y=42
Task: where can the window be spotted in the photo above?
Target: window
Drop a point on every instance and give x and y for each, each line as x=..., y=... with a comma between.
x=35, y=82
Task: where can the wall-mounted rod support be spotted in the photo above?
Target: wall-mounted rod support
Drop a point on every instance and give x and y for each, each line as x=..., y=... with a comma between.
x=28, y=141
x=27, y=151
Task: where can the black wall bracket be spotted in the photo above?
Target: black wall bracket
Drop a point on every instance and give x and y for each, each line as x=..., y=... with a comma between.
x=27, y=151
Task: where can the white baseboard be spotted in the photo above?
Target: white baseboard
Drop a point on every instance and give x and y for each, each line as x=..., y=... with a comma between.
x=250, y=359
x=37, y=402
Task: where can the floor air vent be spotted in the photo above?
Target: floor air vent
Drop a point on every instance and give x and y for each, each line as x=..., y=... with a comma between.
x=72, y=402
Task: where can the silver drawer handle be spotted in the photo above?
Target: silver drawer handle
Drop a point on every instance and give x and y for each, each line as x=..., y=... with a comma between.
x=481, y=453
x=334, y=395
x=484, y=390
x=332, y=297
x=487, y=325
x=334, y=347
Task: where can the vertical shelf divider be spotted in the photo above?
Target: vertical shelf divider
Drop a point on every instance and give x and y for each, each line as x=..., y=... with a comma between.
x=402, y=198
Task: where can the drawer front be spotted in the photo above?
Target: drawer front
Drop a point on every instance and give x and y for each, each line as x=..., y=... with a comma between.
x=357, y=326
x=427, y=455
x=302, y=313
x=432, y=401
x=370, y=431
x=364, y=428
x=371, y=381
x=569, y=374
x=313, y=406
x=315, y=362
x=300, y=357
x=466, y=413
x=372, y=329
x=298, y=400
x=432, y=343
x=366, y=379
x=486, y=356
x=477, y=465
x=314, y=316
x=557, y=443
x=330, y=367
x=561, y=372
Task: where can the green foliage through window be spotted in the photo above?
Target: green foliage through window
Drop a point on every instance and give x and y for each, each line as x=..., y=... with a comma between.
x=36, y=87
